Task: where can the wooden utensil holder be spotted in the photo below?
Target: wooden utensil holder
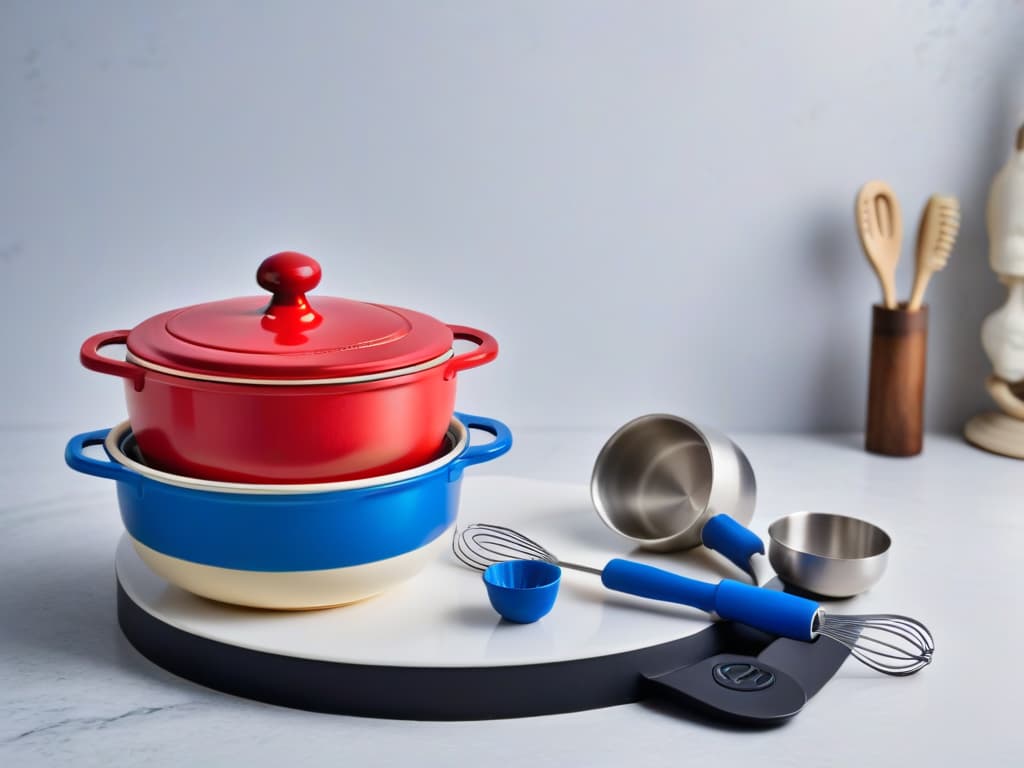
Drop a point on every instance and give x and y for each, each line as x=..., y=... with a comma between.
x=899, y=347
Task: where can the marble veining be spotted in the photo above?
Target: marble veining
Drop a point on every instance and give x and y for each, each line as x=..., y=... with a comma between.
x=89, y=723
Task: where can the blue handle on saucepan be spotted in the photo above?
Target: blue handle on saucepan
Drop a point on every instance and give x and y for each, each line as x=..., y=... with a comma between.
x=727, y=537
x=477, y=454
x=74, y=456
x=775, y=612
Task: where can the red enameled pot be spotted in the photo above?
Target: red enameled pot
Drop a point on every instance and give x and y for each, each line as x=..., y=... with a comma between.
x=289, y=391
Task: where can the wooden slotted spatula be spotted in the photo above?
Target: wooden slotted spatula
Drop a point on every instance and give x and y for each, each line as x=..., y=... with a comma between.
x=936, y=236
x=880, y=228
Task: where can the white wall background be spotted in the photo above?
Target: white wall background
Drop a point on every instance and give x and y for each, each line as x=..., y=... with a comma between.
x=648, y=203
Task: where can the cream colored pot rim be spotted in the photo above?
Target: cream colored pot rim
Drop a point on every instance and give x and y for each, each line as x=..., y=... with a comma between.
x=112, y=443
x=377, y=376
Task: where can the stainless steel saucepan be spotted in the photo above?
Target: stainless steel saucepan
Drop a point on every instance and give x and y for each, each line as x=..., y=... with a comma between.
x=659, y=478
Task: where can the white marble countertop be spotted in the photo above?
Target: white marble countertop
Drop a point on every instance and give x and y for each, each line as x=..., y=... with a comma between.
x=73, y=691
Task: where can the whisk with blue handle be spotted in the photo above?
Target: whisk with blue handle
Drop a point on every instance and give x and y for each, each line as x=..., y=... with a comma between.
x=888, y=643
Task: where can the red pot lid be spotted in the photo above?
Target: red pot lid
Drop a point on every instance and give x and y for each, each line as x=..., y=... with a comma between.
x=288, y=337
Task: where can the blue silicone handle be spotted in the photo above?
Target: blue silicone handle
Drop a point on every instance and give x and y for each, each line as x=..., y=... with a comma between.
x=727, y=537
x=477, y=454
x=74, y=457
x=775, y=612
x=657, y=584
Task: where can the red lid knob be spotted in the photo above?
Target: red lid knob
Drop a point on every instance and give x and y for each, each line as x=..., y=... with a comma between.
x=288, y=275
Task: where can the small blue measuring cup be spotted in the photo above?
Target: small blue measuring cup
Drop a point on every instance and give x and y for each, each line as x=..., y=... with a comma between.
x=522, y=591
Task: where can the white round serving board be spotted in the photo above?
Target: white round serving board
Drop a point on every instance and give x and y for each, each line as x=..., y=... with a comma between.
x=442, y=618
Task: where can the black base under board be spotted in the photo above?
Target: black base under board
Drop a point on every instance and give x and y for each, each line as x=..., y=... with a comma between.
x=478, y=693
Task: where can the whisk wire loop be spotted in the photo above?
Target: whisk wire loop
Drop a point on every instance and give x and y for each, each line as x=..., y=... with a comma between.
x=482, y=545
x=886, y=642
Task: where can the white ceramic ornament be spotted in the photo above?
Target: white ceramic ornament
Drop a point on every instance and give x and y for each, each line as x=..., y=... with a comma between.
x=1005, y=216
x=1002, y=335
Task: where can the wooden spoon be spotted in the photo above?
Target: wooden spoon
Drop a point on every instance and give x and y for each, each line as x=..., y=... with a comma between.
x=880, y=227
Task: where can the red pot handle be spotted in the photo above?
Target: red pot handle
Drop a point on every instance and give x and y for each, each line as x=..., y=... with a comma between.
x=486, y=350
x=94, y=361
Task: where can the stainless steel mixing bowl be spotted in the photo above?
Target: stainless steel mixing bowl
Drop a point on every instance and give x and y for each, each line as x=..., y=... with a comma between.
x=660, y=477
x=829, y=555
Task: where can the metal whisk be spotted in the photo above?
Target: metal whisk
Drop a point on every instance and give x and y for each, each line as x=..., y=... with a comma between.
x=889, y=643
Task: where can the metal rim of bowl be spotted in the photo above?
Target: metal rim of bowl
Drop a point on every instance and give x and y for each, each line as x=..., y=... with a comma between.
x=119, y=433
x=595, y=484
x=779, y=542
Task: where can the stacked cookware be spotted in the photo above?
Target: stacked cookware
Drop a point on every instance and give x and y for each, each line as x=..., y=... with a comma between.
x=284, y=452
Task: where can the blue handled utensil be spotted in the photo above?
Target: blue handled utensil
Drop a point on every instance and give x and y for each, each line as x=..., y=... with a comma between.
x=739, y=545
x=895, y=645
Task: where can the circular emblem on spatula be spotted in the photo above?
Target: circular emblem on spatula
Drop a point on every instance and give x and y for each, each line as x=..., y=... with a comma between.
x=741, y=676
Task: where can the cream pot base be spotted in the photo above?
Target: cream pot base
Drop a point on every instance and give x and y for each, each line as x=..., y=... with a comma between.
x=291, y=590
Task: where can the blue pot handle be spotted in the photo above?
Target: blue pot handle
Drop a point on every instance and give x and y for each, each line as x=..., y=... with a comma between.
x=74, y=455
x=727, y=537
x=477, y=454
